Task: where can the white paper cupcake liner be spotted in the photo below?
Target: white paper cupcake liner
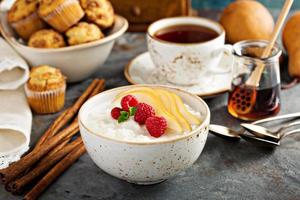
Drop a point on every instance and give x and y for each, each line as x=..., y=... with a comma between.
x=69, y=18
x=47, y=101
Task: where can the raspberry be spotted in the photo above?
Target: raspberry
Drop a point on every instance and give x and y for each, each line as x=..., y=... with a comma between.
x=143, y=111
x=156, y=126
x=116, y=112
x=128, y=101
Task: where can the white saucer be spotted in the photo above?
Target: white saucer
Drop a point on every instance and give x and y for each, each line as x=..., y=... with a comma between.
x=141, y=70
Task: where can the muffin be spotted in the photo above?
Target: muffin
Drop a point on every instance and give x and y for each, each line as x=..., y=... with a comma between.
x=83, y=33
x=99, y=12
x=45, y=89
x=24, y=19
x=60, y=14
x=46, y=38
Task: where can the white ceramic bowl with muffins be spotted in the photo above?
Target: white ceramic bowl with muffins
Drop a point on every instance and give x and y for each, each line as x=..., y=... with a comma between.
x=143, y=161
x=76, y=62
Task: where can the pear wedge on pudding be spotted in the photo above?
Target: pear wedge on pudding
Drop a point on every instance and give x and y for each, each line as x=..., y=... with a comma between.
x=170, y=103
x=192, y=119
x=127, y=92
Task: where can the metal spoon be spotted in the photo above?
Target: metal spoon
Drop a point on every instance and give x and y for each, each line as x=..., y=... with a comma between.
x=260, y=141
x=263, y=132
x=225, y=132
x=265, y=142
x=280, y=117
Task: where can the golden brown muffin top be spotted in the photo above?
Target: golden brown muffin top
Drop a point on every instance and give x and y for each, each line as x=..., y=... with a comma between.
x=44, y=78
x=100, y=12
x=22, y=9
x=46, y=38
x=83, y=33
x=47, y=6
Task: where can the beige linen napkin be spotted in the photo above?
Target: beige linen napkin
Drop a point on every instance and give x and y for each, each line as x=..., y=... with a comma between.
x=15, y=114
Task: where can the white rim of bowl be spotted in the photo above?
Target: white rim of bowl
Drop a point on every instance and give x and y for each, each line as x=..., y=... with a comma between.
x=201, y=126
x=104, y=40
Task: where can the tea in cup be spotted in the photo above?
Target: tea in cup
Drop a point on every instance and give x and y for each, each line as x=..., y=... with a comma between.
x=186, y=49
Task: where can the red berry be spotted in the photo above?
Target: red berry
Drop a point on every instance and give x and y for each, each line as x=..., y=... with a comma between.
x=128, y=101
x=115, y=112
x=143, y=111
x=156, y=126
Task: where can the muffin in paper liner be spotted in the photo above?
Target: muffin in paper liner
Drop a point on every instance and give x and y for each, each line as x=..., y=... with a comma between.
x=46, y=102
x=61, y=14
x=24, y=19
x=46, y=89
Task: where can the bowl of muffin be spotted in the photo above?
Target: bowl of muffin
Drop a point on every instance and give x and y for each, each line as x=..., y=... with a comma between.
x=75, y=36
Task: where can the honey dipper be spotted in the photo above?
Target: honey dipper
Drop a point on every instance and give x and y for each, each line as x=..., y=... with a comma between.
x=245, y=98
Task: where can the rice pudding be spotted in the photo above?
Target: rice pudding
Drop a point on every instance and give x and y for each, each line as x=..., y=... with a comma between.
x=144, y=115
x=127, y=150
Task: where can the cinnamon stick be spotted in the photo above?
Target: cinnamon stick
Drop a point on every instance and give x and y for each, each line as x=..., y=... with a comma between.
x=17, y=186
x=99, y=88
x=12, y=172
x=58, y=147
x=53, y=151
x=54, y=173
x=64, y=118
x=51, y=129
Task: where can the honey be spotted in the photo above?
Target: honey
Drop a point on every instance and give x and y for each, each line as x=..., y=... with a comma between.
x=249, y=103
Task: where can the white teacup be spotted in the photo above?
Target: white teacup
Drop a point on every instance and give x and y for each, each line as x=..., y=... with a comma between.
x=188, y=63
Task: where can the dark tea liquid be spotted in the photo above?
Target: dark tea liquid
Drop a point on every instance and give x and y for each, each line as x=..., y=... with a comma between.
x=186, y=33
x=243, y=106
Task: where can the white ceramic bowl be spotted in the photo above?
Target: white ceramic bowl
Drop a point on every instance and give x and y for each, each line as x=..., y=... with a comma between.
x=144, y=162
x=76, y=62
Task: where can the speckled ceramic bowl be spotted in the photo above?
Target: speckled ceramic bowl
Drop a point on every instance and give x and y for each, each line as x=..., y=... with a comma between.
x=144, y=162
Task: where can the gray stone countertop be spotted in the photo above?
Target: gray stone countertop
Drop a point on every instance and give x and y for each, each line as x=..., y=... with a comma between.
x=225, y=169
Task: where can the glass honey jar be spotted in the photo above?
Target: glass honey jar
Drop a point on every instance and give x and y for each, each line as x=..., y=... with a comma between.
x=249, y=102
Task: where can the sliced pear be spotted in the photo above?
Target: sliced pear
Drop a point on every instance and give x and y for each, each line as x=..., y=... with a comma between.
x=165, y=99
x=138, y=91
x=152, y=99
x=170, y=103
x=127, y=92
x=192, y=119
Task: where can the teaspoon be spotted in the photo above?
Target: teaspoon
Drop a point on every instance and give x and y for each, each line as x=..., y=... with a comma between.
x=262, y=132
x=266, y=142
x=260, y=141
x=225, y=132
x=280, y=117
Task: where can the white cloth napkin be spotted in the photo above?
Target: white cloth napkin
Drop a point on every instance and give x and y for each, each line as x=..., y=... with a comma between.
x=6, y=4
x=15, y=114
